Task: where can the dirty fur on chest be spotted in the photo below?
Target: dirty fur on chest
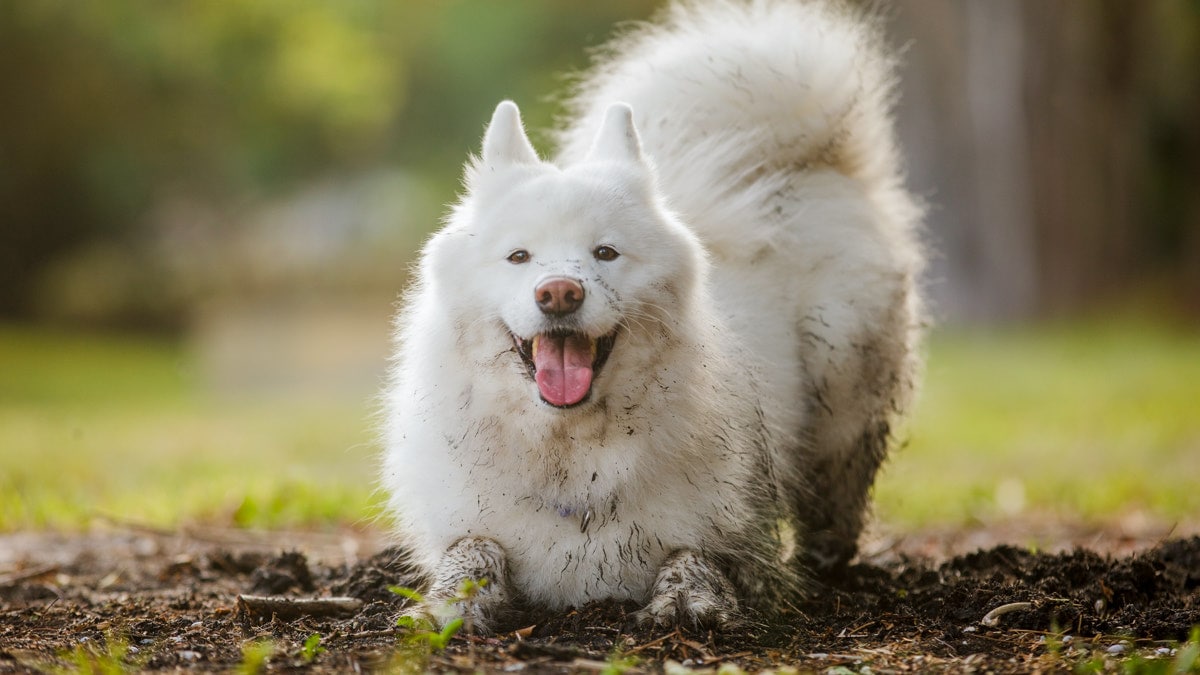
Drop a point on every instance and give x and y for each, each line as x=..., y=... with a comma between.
x=598, y=522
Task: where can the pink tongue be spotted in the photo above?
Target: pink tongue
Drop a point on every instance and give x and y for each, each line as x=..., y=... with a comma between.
x=564, y=368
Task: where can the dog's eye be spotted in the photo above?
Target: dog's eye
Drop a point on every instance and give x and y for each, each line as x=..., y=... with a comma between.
x=605, y=253
x=518, y=256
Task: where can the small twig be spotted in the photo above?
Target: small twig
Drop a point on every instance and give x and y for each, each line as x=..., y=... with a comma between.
x=526, y=650
x=853, y=632
x=654, y=642
x=33, y=573
x=822, y=656
x=291, y=608
x=373, y=634
x=58, y=596
x=696, y=647
x=992, y=618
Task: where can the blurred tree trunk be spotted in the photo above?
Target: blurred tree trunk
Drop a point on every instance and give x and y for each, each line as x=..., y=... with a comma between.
x=1085, y=165
x=1171, y=86
x=1058, y=143
x=1007, y=232
x=963, y=125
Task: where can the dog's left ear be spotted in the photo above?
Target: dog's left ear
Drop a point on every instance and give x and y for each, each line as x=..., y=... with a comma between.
x=618, y=137
x=505, y=141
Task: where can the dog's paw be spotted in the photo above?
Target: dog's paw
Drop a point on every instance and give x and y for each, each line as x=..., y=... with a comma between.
x=827, y=554
x=420, y=616
x=689, y=590
x=470, y=584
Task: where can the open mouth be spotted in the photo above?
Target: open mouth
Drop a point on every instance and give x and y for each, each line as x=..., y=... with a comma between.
x=564, y=364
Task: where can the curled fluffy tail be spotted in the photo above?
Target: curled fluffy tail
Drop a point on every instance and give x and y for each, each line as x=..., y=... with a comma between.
x=731, y=96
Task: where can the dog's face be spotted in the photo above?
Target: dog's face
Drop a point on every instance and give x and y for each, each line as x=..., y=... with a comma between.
x=582, y=268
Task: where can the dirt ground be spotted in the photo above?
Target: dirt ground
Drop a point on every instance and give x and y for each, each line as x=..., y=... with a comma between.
x=152, y=600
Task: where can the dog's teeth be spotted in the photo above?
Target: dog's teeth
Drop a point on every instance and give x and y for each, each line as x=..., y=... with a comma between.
x=534, y=348
x=594, y=348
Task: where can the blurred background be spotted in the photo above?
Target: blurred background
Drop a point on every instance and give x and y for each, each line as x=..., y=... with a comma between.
x=207, y=211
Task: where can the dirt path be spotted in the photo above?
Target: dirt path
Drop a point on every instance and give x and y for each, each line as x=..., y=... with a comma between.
x=165, y=601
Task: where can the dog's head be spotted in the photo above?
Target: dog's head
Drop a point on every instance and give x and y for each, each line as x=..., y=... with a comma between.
x=576, y=265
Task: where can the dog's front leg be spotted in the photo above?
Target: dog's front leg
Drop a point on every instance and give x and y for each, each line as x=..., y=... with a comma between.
x=689, y=588
x=471, y=582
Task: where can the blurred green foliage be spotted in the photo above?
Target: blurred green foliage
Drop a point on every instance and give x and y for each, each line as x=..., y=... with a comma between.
x=110, y=107
x=116, y=113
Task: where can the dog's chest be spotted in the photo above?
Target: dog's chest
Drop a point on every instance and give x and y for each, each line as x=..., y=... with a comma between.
x=568, y=557
x=588, y=522
x=564, y=552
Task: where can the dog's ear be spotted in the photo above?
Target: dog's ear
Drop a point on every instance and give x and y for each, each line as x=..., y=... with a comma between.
x=618, y=137
x=505, y=141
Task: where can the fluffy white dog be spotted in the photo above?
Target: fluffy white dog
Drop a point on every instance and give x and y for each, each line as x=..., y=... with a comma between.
x=664, y=366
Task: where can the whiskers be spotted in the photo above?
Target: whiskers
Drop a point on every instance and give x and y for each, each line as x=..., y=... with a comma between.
x=647, y=317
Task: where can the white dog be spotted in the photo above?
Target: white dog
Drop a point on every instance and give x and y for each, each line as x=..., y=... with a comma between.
x=664, y=366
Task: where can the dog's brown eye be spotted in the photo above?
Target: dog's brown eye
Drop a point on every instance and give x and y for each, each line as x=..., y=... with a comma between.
x=605, y=253
x=518, y=256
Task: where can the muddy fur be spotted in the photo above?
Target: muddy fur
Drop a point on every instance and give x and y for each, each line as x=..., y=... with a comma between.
x=700, y=431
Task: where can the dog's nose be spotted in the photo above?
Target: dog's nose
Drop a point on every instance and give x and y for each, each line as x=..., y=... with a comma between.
x=558, y=295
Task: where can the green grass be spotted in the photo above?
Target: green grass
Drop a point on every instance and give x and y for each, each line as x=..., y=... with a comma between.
x=1089, y=419
x=109, y=427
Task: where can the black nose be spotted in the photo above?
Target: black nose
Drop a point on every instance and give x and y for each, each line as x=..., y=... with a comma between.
x=558, y=295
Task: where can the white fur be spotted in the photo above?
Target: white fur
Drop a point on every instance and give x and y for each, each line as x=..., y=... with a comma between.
x=767, y=271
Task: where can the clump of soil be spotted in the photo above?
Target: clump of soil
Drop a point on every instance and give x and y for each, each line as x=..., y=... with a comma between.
x=172, y=607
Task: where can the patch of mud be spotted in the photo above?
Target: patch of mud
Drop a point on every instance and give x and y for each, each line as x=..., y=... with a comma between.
x=174, y=604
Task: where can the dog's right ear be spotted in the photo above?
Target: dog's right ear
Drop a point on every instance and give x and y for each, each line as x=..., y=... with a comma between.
x=505, y=141
x=617, y=138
